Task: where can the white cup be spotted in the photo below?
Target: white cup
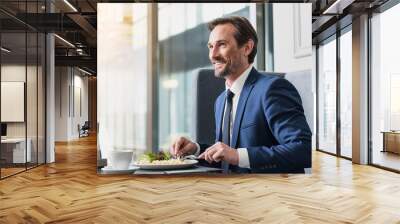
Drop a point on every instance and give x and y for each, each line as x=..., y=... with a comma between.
x=120, y=159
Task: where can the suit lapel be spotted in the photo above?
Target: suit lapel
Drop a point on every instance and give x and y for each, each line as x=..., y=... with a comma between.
x=244, y=95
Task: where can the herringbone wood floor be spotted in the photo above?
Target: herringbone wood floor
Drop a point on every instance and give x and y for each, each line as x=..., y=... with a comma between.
x=70, y=191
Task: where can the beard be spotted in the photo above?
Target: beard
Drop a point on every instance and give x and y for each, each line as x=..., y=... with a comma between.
x=226, y=70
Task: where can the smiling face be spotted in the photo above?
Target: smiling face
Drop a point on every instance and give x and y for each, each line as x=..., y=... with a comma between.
x=227, y=57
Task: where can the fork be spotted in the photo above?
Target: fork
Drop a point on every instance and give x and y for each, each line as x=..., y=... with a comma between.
x=190, y=157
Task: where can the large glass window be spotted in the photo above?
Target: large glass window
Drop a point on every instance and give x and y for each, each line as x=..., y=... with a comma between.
x=22, y=91
x=385, y=85
x=346, y=93
x=14, y=148
x=182, y=50
x=327, y=96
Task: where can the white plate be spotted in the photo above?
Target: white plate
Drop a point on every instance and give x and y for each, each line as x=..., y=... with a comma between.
x=188, y=163
x=109, y=169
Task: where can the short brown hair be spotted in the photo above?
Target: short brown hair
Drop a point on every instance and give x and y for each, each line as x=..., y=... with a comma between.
x=244, y=31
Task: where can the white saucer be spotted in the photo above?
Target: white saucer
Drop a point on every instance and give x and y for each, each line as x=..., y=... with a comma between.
x=109, y=169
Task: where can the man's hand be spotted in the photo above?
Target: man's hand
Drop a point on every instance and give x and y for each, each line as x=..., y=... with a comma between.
x=219, y=151
x=183, y=146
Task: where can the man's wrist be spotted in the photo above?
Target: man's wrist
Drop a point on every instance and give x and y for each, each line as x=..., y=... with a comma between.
x=234, y=157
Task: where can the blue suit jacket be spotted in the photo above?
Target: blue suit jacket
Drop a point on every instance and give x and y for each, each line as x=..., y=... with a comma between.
x=270, y=123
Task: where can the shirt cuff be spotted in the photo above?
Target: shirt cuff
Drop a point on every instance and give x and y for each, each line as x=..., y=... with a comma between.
x=243, y=158
x=197, y=153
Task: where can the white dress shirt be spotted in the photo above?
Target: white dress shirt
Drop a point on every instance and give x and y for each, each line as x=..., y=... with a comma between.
x=236, y=88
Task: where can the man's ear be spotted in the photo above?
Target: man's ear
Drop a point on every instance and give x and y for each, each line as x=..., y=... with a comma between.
x=248, y=47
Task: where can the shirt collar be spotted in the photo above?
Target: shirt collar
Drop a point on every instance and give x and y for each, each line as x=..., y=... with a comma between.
x=238, y=84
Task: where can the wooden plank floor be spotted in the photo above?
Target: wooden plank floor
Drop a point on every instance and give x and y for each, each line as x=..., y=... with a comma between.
x=10, y=171
x=70, y=191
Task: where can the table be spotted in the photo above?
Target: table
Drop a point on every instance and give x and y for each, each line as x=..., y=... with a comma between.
x=391, y=141
x=13, y=150
x=193, y=170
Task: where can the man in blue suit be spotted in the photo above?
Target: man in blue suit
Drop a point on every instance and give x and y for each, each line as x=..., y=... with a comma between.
x=260, y=122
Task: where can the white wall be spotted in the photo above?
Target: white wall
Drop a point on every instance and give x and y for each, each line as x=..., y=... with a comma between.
x=292, y=37
x=61, y=103
x=67, y=115
x=80, y=83
x=17, y=73
x=33, y=126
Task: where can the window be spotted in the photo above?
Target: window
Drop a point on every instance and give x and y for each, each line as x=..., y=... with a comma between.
x=385, y=87
x=22, y=78
x=327, y=96
x=346, y=93
x=333, y=137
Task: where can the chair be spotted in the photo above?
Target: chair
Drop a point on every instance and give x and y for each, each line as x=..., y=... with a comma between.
x=206, y=90
x=84, y=130
x=302, y=80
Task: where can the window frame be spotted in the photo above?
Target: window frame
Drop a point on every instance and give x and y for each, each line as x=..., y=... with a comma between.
x=379, y=10
x=334, y=37
x=31, y=30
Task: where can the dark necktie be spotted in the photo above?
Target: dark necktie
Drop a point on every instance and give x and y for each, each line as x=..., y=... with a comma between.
x=226, y=138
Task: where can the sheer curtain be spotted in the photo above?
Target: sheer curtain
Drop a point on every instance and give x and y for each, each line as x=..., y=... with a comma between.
x=122, y=82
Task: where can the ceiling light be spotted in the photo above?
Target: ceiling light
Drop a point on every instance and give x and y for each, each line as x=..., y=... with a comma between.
x=338, y=6
x=84, y=71
x=80, y=51
x=70, y=5
x=5, y=50
x=65, y=41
